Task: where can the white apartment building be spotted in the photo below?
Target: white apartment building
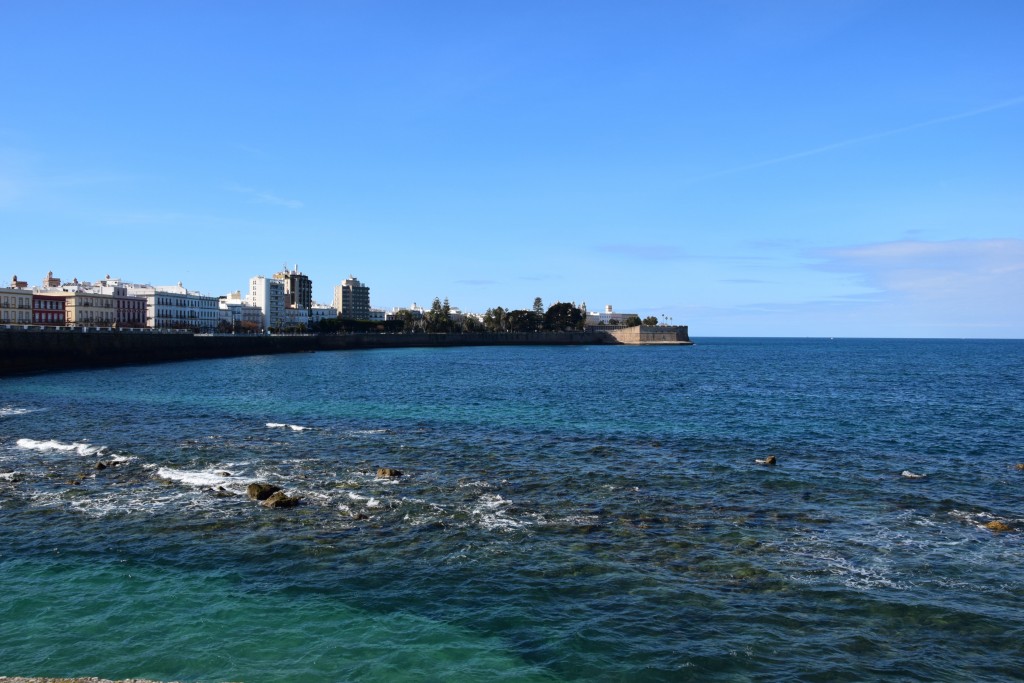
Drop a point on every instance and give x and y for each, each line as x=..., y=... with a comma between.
x=322, y=312
x=296, y=317
x=397, y=313
x=605, y=318
x=268, y=294
x=238, y=312
x=174, y=307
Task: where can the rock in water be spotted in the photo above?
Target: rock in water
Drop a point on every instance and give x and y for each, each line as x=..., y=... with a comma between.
x=280, y=500
x=770, y=460
x=997, y=526
x=1020, y=466
x=101, y=465
x=385, y=472
x=261, y=491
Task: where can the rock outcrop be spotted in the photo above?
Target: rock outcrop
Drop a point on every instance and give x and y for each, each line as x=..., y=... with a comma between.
x=258, y=491
x=280, y=500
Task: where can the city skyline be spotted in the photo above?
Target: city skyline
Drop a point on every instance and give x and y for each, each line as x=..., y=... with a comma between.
x=746, y=169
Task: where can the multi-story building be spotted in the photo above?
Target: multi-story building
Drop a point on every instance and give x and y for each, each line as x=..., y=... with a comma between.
x=606, y=317
x=129, y=310
x=89, y=309
x=49, y=309
x=352, y=299
x=296, y=318
x=414, y=312
x=322, y=312
x=239, y=313
x=298, y=288
x=16, y=303
x=174, y=307
x=268, y=295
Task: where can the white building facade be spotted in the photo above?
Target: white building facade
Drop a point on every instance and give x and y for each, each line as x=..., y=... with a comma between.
x=172, y=307
x=268, y=295
x=606, y=317
x=238, y=313
x=321, y=312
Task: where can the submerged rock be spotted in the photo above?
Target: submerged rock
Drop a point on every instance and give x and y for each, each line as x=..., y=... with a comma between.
x=770, y=460
x=386, y=472
x=1020, y=466
x=280, y=500
x=998, y=527
x=258, y=491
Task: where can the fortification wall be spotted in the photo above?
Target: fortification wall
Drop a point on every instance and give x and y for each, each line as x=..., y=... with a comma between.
x=661, y=334
x=32, y=349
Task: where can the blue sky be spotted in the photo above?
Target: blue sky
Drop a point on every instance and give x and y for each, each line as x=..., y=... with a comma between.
x=789, y=168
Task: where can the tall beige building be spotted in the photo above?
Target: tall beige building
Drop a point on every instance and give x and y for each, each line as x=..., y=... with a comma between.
x=352, y=299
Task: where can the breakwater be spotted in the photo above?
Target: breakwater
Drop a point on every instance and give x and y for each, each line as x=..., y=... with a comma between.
x=29, y=350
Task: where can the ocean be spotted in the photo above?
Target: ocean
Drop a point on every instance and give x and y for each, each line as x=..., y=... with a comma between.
x=564, y=514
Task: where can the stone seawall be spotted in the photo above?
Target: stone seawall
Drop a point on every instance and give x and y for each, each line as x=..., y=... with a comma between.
x=660, y=334
x=29, y=350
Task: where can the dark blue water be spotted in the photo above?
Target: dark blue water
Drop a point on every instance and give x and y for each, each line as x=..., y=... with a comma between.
x=589, y=513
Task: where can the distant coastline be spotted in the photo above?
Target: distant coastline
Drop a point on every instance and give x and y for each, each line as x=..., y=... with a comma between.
x=27, y=350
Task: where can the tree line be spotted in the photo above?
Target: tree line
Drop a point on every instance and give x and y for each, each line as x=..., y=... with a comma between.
x=561, y=317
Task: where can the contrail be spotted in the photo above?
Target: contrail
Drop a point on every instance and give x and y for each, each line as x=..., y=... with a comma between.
x=866, y=138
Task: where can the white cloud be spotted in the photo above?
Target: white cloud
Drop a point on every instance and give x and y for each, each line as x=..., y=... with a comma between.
x=956, y=269
x=956, y=288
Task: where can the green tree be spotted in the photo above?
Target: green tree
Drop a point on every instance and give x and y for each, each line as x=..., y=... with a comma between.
x=436, y=318
x=563, y=317
x=650, y=320
x=523, y=321
x=495, y=319
x=632, y=321
x=538, y=306
x=614, y=321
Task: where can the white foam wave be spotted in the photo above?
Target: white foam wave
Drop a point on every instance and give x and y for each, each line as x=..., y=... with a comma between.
x=475, y=484
x=491, y=512
x=199, y=478
x=9, y=411
x=44, y=446
x=8, y=476
x=282, y=425
x=912, y=475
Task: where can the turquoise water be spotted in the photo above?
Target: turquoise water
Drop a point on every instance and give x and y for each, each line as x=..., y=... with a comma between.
x=587, y=513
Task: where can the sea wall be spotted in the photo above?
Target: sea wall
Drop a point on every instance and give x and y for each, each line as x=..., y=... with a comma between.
x=660, y=334
x=31, y=349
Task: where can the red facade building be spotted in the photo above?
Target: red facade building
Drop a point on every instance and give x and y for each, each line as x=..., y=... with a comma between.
x=49, y=309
